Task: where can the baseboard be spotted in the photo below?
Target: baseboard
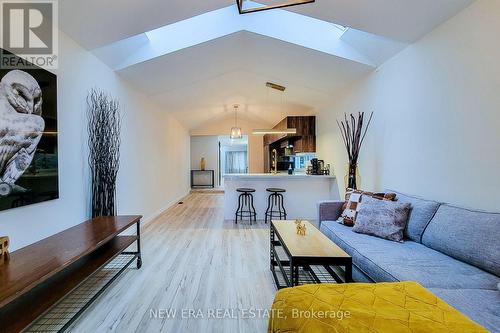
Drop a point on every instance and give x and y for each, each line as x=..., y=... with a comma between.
x=207, y=190
x=159, y=212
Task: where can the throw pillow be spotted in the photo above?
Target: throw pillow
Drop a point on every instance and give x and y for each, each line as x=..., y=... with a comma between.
x=390, y=196
x=384, y=219
x=353, y=202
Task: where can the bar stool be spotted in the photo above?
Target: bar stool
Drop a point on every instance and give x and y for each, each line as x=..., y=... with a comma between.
x=245, y=205
x=275, y=205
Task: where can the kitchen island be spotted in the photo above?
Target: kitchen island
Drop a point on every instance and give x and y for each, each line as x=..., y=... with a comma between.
x=302, y=193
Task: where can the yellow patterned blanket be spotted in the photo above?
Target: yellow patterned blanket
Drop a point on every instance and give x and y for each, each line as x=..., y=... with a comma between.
x=402, y=307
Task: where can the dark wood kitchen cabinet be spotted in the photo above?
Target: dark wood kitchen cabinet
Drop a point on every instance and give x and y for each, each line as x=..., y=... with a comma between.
x=268, y=139
x=306, y=144
x=305, y=125
x=304, y=141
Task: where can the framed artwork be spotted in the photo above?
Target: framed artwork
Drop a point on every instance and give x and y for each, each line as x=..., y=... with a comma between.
x=28, y=136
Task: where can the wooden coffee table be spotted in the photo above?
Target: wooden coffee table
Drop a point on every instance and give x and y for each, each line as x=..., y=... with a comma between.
x=313, y=258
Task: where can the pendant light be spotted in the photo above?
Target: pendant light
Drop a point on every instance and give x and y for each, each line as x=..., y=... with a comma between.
x=236, y=131
x=286, y=131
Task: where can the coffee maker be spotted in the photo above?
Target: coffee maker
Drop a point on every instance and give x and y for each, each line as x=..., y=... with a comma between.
x=317, y=167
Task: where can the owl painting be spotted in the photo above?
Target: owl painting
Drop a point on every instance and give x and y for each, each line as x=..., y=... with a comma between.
x=21, y=125
x=28, y=150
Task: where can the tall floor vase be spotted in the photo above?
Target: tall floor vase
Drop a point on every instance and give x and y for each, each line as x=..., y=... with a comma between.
x=353, y=177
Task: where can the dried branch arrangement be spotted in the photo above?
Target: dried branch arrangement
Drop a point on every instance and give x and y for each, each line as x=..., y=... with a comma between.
x=104, y=125
x=353, y=130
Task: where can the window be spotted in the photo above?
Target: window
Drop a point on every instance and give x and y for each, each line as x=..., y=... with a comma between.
x=236, y=162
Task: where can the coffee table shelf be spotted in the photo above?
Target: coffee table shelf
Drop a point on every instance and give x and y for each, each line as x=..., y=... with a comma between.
x=305, y=277
x=297, y=260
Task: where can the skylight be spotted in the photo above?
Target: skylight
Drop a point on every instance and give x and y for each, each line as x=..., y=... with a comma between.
x=281, y=24
x=341, y=28
x=254, y=7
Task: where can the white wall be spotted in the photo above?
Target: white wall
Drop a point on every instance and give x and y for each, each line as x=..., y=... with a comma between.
x=154, y=155
x=436, y=130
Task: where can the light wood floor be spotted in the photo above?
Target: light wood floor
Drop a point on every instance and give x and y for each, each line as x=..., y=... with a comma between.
x=192, y=259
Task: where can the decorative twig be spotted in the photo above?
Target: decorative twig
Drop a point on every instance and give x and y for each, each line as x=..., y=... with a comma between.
x=353, y=133
x=104, y=125
x=366, y=128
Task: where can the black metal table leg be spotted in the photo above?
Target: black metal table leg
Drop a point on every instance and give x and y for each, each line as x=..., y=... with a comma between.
x=139, y=258
x=271, y=244
x=348, y=272
x=294, y=274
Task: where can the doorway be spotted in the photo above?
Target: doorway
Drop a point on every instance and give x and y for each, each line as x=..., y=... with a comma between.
x=233, y=156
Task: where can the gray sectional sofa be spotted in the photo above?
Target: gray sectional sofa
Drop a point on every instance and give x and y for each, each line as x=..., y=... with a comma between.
x=454, y=252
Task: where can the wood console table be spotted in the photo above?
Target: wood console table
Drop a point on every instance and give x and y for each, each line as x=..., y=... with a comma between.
x=37, y=277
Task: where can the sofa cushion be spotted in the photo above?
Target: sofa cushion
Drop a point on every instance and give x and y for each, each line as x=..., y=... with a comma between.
x=421, y=214
x=384, y=219
x=482, y=306
x=386, y=261
x=359, y=276
x=467, y=235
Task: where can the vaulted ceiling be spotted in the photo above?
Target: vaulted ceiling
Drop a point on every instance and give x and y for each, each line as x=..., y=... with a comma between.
x=204, y=57
x=204, y=81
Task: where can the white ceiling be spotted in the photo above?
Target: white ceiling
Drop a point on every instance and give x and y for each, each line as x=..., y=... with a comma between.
x=203, y=81
x=283, y=25
x=95, y=23
x=199, y=84
x=402, y=20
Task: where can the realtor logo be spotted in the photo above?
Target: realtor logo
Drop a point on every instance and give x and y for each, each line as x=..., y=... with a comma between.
x=29, y=30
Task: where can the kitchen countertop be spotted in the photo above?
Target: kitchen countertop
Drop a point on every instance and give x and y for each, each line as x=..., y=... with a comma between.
x=303, y=192
x=270, y=176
